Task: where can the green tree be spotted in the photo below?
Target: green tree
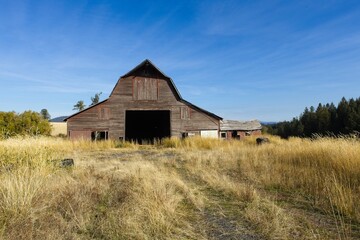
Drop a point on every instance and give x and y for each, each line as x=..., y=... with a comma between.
x=45, y=114
x=8, y=122
x=32, y=123
x=26, y=123
x=79, y=106
x=297, y=128
x=95, y=99
x=333, y=118
x=323, y=119
x=343, y=115
x=308, y=120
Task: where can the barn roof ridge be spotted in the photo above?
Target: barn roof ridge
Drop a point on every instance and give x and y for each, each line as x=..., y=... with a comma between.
x=144, y=63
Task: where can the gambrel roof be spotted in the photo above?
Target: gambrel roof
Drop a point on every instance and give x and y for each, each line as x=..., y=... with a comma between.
x=148, y=69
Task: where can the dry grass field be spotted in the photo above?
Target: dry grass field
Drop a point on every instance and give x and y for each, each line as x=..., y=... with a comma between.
x=58, y=128
x=190, y=189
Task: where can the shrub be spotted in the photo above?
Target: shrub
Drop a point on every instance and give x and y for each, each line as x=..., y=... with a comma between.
x=26, y=123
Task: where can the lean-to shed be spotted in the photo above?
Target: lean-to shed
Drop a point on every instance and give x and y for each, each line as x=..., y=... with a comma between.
x=239, y=129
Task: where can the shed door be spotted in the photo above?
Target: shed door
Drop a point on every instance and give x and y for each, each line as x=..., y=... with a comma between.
x=209, y=133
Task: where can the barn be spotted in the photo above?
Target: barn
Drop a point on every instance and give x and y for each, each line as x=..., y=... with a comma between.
x=144, y=105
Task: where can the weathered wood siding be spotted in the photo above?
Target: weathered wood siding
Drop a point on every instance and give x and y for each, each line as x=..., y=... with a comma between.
x=243, y=133
x=91, y=119
x=123, y=99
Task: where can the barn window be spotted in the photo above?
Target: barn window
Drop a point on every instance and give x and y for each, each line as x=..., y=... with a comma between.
x=223, y=134
x=184, y=112
x=145, y=89
x=104, y=113
x=99, y=135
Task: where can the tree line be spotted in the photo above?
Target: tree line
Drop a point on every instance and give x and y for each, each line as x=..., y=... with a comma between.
x=326, y=119
x=26, y=123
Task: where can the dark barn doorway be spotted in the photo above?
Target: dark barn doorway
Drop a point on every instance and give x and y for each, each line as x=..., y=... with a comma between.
x=145, y=126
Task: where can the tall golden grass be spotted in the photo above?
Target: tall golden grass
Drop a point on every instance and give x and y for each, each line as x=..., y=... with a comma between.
x=126, y=191
x=324, y=172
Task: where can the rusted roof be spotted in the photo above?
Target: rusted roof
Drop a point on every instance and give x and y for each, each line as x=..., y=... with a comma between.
x=227, y=125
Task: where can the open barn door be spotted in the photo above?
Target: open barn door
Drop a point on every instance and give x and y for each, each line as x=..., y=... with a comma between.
x=146, y=126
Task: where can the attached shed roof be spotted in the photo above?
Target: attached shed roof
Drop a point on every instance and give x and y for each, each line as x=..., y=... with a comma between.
x=200, y=109
x=228, y=125
x=85, y=110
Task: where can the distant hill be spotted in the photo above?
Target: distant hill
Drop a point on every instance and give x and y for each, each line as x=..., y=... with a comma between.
x=268, y=123
x=58, y=119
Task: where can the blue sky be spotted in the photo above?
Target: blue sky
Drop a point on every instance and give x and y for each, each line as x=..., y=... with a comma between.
x=242, y=60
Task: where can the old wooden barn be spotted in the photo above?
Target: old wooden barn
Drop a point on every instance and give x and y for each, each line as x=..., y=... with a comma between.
x=144, y=105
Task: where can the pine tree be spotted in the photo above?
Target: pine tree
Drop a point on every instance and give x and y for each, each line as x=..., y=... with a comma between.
x=323, y=119
x=333, y=119
x=342, y=113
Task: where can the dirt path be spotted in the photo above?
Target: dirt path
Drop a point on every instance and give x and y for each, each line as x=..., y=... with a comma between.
x=221, y=218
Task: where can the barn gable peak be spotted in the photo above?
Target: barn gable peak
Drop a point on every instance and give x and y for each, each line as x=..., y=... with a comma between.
x=146, y=69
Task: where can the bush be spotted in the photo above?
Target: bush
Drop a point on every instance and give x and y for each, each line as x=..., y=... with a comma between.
x=26, y=123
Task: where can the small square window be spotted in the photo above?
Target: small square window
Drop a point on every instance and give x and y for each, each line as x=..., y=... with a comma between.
x=185, y=113
x=104, y=113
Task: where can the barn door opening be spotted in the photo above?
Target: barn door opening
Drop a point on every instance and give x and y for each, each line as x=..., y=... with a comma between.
x=146, y=126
